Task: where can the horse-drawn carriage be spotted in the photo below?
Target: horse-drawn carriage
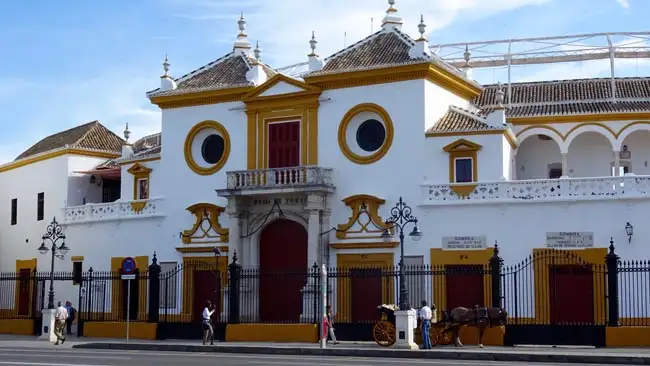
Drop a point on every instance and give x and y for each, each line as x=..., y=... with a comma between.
x=384, y=332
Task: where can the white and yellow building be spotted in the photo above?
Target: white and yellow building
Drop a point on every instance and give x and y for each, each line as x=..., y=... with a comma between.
x=277, y=159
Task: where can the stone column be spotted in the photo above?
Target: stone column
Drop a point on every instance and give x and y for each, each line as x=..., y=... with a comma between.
x=617, y=163
x=313, y=235
x=565, y=165
x=234, y=240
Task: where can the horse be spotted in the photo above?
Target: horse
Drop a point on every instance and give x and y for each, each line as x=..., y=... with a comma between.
x=479, y=317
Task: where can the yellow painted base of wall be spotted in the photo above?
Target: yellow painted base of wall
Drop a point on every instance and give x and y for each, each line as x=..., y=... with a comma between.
x=17, y=326
x=627, y=337
x=469, y=336
x=303, y=333
x=118, y=330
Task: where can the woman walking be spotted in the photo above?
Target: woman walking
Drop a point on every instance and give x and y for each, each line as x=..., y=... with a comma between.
x=208, y=331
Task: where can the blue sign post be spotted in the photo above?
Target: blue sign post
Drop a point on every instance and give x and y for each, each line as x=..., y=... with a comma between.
x=128, y=273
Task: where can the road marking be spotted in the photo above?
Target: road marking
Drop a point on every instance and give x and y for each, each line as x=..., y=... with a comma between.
x=67, y=355
x=43, y=364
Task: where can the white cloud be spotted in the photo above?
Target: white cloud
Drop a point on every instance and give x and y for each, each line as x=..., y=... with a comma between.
x=624, y=3
x=284, y=27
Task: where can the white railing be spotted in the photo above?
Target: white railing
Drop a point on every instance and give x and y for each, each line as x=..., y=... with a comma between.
x=300, y=176
x=113, y=210
x=563, y=189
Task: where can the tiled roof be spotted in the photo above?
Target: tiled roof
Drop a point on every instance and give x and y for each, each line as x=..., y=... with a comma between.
x=227, y=72
x=567, y=97
x=148, y=143
x=458, y=119
x=91, y=135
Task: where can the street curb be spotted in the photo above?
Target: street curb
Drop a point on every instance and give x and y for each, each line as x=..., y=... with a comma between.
x=485, y=355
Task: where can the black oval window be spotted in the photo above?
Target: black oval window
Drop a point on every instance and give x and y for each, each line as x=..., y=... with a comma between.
x=212, y=149
x=371, y=135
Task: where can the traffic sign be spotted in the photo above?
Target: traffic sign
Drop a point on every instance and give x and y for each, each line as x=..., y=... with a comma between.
x=128, y=266
x=128, y=277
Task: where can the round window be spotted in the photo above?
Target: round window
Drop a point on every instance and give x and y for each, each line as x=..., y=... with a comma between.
x=371, y=135
x=212, y=149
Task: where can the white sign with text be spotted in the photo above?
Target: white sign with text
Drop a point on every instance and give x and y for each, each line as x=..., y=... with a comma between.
x=464, y=242
x=569, y=240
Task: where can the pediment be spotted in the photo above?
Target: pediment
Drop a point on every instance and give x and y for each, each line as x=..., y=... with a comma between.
x=462, y=145
x=138, y=168
x=281, y=85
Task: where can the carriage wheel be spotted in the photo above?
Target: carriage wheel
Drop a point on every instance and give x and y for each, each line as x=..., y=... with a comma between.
x=434, y=335
x=444, y=335
x=384, y=333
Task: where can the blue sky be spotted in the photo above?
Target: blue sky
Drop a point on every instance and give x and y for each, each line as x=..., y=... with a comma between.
x=68, y=62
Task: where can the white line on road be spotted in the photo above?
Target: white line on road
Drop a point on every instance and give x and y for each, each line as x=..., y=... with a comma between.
x=43, y=364
x=67, y=355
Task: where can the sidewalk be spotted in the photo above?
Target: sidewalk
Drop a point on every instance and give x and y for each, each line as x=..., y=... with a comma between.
x=610, y=356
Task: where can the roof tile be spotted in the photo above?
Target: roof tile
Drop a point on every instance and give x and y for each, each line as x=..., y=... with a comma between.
x=457, y=119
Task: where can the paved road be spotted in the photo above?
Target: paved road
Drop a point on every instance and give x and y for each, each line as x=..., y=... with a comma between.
x=49, y=355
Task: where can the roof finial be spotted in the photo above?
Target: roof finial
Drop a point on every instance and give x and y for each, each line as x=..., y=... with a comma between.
x=500, y=95
x=312, y=44
x=242, y=45
x=127, y=133
x=422, y=27
x=392, y=8
x=242, y=25
x=258, y=51
x=166, y=65
x=391, y=20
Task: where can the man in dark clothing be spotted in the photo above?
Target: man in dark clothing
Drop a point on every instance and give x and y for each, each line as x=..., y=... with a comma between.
x=72, y=314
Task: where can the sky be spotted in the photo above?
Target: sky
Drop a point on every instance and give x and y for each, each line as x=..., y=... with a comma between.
x=64, y=63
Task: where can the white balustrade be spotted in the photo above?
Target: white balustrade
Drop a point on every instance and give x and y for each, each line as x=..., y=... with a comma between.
x=563, y=189
x=112, y=210
x=280, y=177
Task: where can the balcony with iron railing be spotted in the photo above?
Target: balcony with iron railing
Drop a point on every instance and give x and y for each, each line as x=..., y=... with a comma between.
x=538, y=190
x=278, y=180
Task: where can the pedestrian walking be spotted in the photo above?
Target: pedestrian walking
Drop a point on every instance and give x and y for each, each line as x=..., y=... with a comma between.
x=60, y=317
x=425, y=319
x=208, y=330
x=330, y=325
x=72, y=315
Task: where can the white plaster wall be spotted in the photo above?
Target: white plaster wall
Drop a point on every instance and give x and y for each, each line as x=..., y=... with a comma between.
x=437, y=101
x=590, y=155
x=533, y=157
x=24, y=183
x=490, y=158
x=281, y=88
x=506, y=158
x=639, y=144
x=156, y=186
x=79, y=187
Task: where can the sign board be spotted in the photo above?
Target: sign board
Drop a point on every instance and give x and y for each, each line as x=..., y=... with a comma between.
x=464, y=242
x=128, y=266
x=128, y=277
x=569, y=240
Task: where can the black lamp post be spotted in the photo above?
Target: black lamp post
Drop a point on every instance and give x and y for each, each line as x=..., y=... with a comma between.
x=629, y=230
x=217, y=287
x=53, y=234
x=400, y=217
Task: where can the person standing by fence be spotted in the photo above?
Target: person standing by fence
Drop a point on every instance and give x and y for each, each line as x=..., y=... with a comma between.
x=330, y=325
x=60, y=317
x=208, y=331
x=425, y=317
x=72, y=312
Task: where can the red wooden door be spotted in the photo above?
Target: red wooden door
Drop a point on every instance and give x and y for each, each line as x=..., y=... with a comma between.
x=464, y=286
x=571, y=294
x=23, y=291
x=283, y=271
x=284, y=144
x=366, y=294
x=206, y=287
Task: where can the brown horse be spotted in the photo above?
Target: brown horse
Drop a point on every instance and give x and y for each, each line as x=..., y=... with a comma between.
x=479, y=317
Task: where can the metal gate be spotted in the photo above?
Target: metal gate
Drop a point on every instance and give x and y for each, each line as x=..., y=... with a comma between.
x=554, y=297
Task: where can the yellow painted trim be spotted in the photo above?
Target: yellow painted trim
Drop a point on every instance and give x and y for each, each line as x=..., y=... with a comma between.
x=578, y=118
x=563, y=137
x=139, y=172
x=144, y=160
x=620, y=132
x=441, y=258
x=375, y=226
x=31, y=265
x=433, y=73
x=214, y=212
x=209, y=249
x=550, y=128
x=377, y=245
x=201, y=98
x=295, y=333
x=17, y=326
x=345, y=262
x=189, y=140
x=590, y=124
x=137, y=330
x=77, y=258
x=462, y=148
x=299, y=106
x=541, y=276
x=57, y=153
x=142, y=264
x=508, y=134
x=627, y=337
x=190, y=265
x=343, y=129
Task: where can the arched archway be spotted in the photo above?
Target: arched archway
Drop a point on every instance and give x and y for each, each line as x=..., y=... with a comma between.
x=538, y=156
x=590, y=154
x=283, y=271
x=635, y=142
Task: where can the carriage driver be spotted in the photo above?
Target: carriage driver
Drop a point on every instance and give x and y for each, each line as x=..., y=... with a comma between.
x=425, y=316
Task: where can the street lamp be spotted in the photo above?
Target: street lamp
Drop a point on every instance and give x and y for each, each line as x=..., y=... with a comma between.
x=629, y=230
x=53, y=234
x=400, y=217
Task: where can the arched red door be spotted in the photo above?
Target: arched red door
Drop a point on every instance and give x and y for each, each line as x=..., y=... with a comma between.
x=283, y=271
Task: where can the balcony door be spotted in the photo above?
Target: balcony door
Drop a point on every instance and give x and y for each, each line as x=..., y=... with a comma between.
x=284, y=144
